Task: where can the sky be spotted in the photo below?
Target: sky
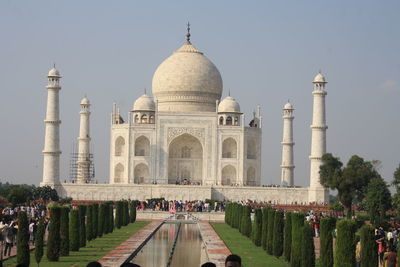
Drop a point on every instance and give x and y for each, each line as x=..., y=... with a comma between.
x=267, y=52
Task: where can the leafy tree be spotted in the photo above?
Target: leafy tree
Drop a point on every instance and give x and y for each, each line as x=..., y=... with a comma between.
x=277, y=246
x=23, y=239
x=95, y=208
x=45, y=193
x=89, y=222
x=396, y=184
x=287, y=241
x=327, y=226
x=82, y=225
x=345, y=246
x=350, y=182
x=39, y=242
x=74, y=242
x=64, y=232
x=297, y=224
x=307, y=247
x=19, y=194
x=270, y=231
x=378, y=200
x=368, y=247
x=53, y=240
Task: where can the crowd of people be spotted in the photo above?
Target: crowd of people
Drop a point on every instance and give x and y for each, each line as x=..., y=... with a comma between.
x=181, y=206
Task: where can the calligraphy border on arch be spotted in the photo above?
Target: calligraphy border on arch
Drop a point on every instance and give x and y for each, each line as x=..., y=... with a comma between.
x=177, y=131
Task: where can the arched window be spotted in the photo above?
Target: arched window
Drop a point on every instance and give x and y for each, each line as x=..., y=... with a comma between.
x=142, y=146
x=228, y=175
x=118, y=173
x=229, y=120
x=251, y=176
x=141, y=174
x=144, y=119
x=229, y=148
x=151, y=119
x=137, y=120
x=186, y=152
x=236, y=120
x=221, y=120
x=119, y=146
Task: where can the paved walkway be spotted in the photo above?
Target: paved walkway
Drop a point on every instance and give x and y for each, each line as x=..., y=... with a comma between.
x=119, y=254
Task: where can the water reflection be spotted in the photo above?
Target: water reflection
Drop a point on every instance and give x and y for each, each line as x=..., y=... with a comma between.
x=187, y=252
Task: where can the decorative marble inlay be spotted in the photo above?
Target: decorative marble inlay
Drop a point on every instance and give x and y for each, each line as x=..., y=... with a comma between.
x=177, y=131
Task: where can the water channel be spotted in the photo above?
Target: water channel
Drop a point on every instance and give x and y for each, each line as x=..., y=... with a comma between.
x=176, y=244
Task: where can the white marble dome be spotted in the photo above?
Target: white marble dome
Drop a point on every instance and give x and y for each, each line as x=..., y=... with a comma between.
x=187, y=81
x=288, y=105
x=229, y=104
x=319, y=78
x=144, y=103
x=54, y=73
x=85, y=101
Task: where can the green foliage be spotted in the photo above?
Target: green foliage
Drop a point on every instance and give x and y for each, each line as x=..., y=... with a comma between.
x=106, y=218
x=64, y=231
x=45, y=193
x=378, y=200
x=39, y=241
x=23, y=256
x=125, y=213
x=118, y=214
x=111, y=226
x=132, y=212
x=307, y=247
x=287, y=240
x=264, y=227
x=95, y=220
x=19, y=194
x=74, y=223
x=345, y=246
x=369, y=247
x=270, y=231
x=351, y=181
x=101, y=220
x=82, y=225
x=245, y=225
x=53, y=240
x=297, y=225
x=277, y=244
x=257, y=227
x=327, y=226
x=89, y=222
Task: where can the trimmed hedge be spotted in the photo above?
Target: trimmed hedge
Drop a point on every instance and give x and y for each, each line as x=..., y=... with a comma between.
x=256, y=232
x=89, y=222
x=277, y=244
x=270, y=231
x=53, y=240
x=369, y=247
x=82, y=225
x=287, y=240
x=264, y=227
x=64, y=232
x=297, y=233
x=307, y=247
x=245, y=224
x=74, y=241
x=345, y=245
x=118, y=214
x=23, y=239
x=95, y=211
x=327, y=226
x=39, y=242
x=101, y=220
x=132, y=212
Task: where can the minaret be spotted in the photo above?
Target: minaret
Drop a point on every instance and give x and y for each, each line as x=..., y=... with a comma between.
x=84, y=161
x=318, y=138
x=287, y=165
x=51, y=151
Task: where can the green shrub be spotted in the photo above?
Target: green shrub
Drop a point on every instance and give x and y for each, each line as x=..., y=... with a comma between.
x=287, y=240
x=345, y=247
x=270, y=231
x=264, y=227
x=277, y=244
x=307, y=247
x=118, y=214
x=64, y=232
x=111, y=210
x=95, y=211
x=101, y=220
x=53, y=240
x=89, y=222
x=23, y=239
x=369, y=247
x=82, y=226
x=257, y=227
x=297, y=226
x=132, y=212
x=327, y=226
x=39, y=242
x=107, y=219
x=125, y=213
x=246, y=221
x=74, y=223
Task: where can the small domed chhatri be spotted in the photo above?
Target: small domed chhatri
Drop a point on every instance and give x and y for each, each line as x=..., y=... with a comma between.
x=319, y=78
x=85, y=101
x=144, y=103
x=288, y=106
x=54, y=72
x=229, y=104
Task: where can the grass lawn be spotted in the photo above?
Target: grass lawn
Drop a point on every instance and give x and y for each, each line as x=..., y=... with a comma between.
x=93, y=251
x=252, y=256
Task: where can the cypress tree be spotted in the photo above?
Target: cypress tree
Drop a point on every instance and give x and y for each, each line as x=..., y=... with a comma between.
x=127, y=219
x=327, y=226
x=287, y=241
x=101, y=217
x=64, y=232
x=124, y=213
x=95, y=208
x=106, y=218
x=111, y=210
x=39, y=242
x=345, y=247
x=246, y=221
x=258, y=226
x=82, y=226
x=270, y=231
x=74, y=223
x=264, y=227
x=297, y=224
x=369, y=247
x=307, y=247
x=277, y=246
x=23, y=239
x=132, y=212
x=118, y=214
x=89, y=222
x=53, y=240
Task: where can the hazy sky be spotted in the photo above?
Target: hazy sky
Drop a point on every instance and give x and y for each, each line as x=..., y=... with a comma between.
x=267, y=52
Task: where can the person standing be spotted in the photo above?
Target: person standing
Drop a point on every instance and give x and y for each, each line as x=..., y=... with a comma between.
x=391, y=258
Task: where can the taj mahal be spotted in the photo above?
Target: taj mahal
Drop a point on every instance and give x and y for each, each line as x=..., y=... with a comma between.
x=184, y=142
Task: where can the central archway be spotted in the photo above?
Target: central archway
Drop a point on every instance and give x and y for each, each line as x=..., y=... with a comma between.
x=185, y=160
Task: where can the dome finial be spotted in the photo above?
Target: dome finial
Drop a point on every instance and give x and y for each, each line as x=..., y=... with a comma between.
x=229, y=92
x=145, y=91
x=188, y=33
